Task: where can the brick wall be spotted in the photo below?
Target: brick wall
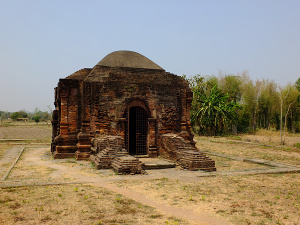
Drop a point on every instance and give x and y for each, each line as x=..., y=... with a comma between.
x=95, y=102
x=189, y=157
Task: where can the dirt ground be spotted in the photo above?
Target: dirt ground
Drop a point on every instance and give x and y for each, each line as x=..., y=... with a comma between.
x=74, y=204
x=246, y=199
x=259, y=199
x=40, y=189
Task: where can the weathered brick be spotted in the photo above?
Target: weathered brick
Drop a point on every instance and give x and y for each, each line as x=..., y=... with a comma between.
x=124, y=95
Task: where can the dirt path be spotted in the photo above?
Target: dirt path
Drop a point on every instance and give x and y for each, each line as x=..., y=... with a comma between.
x=200, y=218
x=66, y=171
x=36, y=167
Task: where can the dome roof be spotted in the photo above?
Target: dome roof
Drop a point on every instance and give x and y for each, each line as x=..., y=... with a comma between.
x=80, y=74
x=128, y=59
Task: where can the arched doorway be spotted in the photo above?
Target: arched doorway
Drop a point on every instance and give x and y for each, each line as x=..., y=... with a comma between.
x=138, y=131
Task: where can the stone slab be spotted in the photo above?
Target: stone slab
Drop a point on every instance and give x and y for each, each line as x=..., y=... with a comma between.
x=156, y=163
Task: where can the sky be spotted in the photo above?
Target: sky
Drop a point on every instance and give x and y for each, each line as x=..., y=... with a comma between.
x=42, y=41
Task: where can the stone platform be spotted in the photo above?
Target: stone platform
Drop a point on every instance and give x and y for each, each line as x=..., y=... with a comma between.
x=156, y=163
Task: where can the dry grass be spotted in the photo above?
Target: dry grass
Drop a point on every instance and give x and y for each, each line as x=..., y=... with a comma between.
x=4, y=165
x=271, y=137
x=3, y=148
x=250, y=150
x=26, y=169
x=73, y=204
x=260, y=199
x=36, y=132
x=23, y=172
x=7, y=123
x=38, y=163
x=225, y=164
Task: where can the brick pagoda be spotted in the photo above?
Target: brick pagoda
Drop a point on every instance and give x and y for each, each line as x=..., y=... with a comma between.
x=125, y=105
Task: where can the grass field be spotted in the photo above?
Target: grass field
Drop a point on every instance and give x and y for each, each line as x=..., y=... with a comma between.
x=26, y=132
x=259, y=199
x=73, y=204
x=240, y=199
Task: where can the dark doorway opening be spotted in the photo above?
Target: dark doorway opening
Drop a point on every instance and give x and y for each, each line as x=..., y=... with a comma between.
x=138, y=128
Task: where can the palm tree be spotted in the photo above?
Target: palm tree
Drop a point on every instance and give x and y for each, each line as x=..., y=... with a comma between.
x=212, y=112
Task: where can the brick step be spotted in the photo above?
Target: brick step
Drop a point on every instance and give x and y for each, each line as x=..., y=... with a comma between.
x=57, y=155
x=158, y=166
x=156, y=163
x=66, y=149
x=127, y=164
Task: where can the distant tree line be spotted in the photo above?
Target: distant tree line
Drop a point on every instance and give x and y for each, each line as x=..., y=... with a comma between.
x=235, y=103
x=36, y=116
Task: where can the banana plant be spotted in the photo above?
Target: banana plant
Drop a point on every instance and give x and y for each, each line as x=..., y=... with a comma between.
x=213, y=113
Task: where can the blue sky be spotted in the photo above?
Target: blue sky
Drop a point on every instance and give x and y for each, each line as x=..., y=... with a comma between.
x=42, y=41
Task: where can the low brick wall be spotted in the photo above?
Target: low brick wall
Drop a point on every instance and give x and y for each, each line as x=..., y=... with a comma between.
x=109, y=152
x=101, y=143
x=106, y=149
x=176, y=148
x=127, y=165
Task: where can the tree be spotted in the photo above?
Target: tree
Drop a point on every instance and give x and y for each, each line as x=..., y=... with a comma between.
x=267, y=104
x=5, y=115
x=19, y=114
x=295, y=110
x=231, y=84
x=249, y=101
x=297, y=84
x=202, y=84
x=50, y=112
x=259, y=100
x=37, y=115
x=288, y=97
x=291, y=96
x=214, y=113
